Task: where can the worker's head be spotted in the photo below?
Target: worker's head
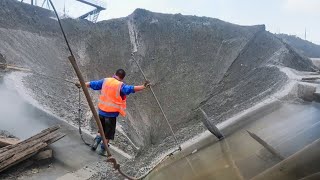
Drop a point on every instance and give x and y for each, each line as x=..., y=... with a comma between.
x=121, y=74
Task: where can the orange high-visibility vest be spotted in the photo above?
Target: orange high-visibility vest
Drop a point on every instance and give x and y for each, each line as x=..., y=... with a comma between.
x=110, y=99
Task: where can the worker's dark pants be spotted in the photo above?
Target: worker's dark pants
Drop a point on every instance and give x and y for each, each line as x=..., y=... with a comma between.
x=109, y=126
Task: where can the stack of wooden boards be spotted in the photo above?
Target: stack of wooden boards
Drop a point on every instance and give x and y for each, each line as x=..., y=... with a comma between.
x=15, y=153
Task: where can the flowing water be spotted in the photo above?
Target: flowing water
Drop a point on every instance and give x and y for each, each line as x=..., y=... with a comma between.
x=288, y=129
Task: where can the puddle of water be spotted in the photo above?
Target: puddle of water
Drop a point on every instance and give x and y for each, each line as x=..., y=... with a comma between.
x=288, y=130
x=16, y=115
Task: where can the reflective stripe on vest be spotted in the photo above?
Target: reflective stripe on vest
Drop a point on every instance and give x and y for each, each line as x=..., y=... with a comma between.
x=111, y=104
x=110, y=99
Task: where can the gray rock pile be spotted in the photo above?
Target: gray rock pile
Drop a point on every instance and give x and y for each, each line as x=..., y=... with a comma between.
x=192, y=61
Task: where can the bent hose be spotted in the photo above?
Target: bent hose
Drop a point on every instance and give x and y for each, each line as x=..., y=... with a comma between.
x=79, y=118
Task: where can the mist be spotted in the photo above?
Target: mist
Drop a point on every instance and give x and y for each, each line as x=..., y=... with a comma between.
x=17, y=116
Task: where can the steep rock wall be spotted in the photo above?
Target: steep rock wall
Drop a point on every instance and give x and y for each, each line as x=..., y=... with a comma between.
x=192, y=61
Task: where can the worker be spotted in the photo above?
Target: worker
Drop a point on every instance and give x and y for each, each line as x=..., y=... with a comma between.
x=112, y=102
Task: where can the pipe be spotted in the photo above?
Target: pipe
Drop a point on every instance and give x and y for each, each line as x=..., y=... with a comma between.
x=210, y=126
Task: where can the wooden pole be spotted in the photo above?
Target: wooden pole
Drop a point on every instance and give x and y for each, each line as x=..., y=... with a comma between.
x=91, y=105
x=83, y=85
x=89, y=100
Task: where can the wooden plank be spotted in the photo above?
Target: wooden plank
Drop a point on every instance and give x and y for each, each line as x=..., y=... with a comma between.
x=24, y=146
x=5, y=141
x=41, y=134
x=31, y=146
x=59, y=136
x=21, y=156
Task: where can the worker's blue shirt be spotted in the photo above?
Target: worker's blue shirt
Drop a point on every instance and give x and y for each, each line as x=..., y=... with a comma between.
x=125, y=90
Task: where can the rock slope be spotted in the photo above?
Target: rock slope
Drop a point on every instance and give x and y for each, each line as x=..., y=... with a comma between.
x=192, y=62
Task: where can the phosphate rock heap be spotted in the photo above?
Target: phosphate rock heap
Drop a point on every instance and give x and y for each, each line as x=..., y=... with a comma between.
x=191, y=61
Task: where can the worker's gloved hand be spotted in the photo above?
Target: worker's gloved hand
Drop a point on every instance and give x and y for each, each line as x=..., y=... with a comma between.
x=78, y=84
x=147, y=84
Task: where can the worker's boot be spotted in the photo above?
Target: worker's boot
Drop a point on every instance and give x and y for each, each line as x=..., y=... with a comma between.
x=103, y=151
x=96, y=142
